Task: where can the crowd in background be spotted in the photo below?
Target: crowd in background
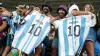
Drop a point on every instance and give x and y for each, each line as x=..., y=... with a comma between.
x=9, y=22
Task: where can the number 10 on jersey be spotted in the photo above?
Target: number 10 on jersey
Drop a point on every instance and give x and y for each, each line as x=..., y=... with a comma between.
x=75, y=30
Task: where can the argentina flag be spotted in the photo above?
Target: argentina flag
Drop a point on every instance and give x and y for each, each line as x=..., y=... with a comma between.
x=73, y=32
x=32, y=32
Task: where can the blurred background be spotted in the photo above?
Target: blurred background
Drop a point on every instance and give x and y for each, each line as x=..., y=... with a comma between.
x=54, y=3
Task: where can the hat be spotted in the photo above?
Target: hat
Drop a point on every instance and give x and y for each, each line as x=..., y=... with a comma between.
x=64, y=7
x=22, y=7
x=2, y=5
x=47, y=4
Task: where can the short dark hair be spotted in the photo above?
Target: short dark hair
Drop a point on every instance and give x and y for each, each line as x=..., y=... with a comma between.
x=47, y=6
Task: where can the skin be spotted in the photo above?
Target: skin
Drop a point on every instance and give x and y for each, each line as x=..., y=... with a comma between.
x=77, y=13
x=5, y=12
x=47, y=13
x=3, y=26
x=61, y=15
x=87, y=8
x=39, y=48
x=89, y=45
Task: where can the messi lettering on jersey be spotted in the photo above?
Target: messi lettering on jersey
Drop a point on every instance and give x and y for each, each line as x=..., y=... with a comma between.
x=72, y=34
x=32, y=33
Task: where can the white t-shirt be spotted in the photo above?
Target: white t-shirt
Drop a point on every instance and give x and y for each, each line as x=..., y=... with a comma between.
x=71, y=9
x=93, y=20
x=57, y=22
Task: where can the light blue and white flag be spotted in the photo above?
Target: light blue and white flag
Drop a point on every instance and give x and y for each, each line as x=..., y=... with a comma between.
x=32, y=33
x=73, y=32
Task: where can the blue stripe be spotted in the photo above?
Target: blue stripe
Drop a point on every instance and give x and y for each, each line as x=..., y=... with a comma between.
x=82, y=29
x=59, y=46
x=28, y=24
x=73, y=20
x=41, y=35
x=11, y=23
x=13, y=27
x=30, y=38
x=65, y=38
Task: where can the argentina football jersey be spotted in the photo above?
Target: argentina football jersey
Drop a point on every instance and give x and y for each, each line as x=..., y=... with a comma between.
x=72, y=34
x=32, y=33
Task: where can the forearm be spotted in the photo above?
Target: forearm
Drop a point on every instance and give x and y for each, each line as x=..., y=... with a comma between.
x=76, y=13
x=6, y=51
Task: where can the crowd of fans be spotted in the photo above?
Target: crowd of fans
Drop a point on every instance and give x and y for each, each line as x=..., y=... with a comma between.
x=9, y=22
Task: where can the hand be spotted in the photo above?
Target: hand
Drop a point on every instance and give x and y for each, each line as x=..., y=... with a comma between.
x=52, y=19
x=51, y=37
x=88, y=12
x=37, y=9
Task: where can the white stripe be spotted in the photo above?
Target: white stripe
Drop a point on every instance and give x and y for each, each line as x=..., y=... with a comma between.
x=18, y=33
x=24, y=41
x=61, y=39
x=70, y=37
x=33, y=42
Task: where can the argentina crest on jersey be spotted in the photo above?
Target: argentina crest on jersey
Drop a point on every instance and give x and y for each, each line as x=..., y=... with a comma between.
x=32, y=33
x=72, y=34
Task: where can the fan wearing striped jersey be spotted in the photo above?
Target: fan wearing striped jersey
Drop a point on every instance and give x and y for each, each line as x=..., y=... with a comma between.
x=62, y=12
x=46, y=10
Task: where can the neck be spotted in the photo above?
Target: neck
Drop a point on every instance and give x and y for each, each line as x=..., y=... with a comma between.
x=62, y=17
x=27, y=12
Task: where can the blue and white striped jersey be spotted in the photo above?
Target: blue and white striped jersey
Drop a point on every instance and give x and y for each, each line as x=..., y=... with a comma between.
x=72, y=34
x=32, y=33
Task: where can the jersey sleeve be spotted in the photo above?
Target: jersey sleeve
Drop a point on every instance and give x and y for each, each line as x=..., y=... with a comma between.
x=56, y=24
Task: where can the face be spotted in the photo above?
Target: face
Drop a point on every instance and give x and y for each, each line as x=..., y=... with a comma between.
x=22, y=12
x=45, y=10
x=18, y=10
x=3, y=9
x=37, y=8
x=61, y=13
x=88, y=8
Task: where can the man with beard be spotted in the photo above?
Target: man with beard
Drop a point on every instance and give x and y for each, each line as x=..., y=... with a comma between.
x=46, y=10
x=62, y=12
